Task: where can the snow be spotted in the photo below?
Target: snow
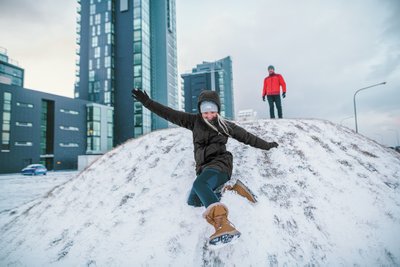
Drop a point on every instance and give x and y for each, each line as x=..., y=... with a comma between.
x=17, y=190
x=326, y=196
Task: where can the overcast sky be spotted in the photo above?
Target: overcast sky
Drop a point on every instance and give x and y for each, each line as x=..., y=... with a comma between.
x=325, y=50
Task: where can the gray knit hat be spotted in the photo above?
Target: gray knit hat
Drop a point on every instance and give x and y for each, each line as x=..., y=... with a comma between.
x=208, y=106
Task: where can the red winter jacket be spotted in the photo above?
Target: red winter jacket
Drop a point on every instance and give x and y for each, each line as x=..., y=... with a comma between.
x=272, y=85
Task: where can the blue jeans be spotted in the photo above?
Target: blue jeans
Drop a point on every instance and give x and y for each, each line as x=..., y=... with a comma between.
x=202, y=193
x=277, y=100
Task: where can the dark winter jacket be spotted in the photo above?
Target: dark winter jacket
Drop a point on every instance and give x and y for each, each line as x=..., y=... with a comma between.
x=209, y=145
x=272, y=85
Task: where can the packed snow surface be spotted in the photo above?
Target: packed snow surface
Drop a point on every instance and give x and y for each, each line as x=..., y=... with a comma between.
x=326, y=196
x=18, y=189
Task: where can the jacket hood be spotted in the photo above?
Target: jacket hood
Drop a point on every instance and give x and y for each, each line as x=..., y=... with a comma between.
x=208, y=95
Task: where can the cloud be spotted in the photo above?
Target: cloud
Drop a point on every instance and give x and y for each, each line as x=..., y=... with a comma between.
x=324, y=50
x=40, y=35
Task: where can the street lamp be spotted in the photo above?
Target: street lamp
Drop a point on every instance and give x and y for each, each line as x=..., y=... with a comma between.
x=354, y=100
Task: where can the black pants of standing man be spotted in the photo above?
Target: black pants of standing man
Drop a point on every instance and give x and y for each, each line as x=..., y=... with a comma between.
x=277, y=100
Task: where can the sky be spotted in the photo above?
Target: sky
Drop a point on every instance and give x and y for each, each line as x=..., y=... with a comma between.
x=325, y=50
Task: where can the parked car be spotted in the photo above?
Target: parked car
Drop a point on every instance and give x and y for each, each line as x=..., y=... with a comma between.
x=34, y=169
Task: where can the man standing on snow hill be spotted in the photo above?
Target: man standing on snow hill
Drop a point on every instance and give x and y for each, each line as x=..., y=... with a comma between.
x=272, y=90
x=213, y=162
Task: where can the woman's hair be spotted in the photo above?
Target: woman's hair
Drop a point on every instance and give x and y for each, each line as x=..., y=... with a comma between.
x=221, y=122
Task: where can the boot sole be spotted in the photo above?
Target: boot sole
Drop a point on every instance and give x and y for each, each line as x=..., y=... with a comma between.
x=250, y=195
x=223, y=240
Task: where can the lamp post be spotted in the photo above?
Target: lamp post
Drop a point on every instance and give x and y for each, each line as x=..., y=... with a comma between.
x=354, y=100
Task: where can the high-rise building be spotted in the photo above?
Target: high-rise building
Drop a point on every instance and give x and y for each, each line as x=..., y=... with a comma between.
x=10, y=72
x=216, y=76
x=123, y=44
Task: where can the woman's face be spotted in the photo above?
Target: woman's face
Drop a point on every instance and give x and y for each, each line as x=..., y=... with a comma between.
x=209, y=115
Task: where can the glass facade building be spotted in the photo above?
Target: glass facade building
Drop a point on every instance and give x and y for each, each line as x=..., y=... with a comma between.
x=126, y=44
x=216, y=76
x=10, y=72
x=37, y=127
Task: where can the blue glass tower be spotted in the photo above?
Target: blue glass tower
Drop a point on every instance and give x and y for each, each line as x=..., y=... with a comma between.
x=124, y=44
x=216, y=76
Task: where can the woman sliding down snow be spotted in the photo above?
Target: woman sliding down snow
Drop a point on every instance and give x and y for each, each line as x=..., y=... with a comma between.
x=213, y=162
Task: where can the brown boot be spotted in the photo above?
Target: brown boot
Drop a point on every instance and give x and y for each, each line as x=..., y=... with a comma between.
x=241, y=189
x=217, y=215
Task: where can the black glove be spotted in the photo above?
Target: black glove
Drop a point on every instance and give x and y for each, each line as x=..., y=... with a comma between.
x=264, y=98
x=140, y=96
x=284, y=95
x=272, y=145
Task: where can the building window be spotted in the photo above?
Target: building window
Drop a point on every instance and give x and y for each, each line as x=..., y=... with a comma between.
x=107, y=62
x=24, y=105
x=47, y=127
x=169, y=16
x=137, y=35
x=67, y=111
x=91, y=76
x=69, y=128
x=69, y=145
x=123, y=5
x=97, y=52
x=137, y=70
x=23, y=143
x=92, y=9
x=95, y=41
x=5, y=132
x=107, y=16
x=97, y=19
x=24, y=124
x=110, y=128
x=107, y=28
x=93, y=144
x=93, y=129
x=107, y=98
x=110, y=38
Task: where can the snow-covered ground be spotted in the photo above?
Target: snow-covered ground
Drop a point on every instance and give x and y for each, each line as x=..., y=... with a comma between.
x=326, y=197
x=17, y=190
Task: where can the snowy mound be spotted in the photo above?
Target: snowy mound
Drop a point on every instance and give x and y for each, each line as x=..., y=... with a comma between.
x=326, y=196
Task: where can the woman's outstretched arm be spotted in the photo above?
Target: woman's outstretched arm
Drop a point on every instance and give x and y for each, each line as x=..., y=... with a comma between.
x=244, y=136
x=179, y=118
